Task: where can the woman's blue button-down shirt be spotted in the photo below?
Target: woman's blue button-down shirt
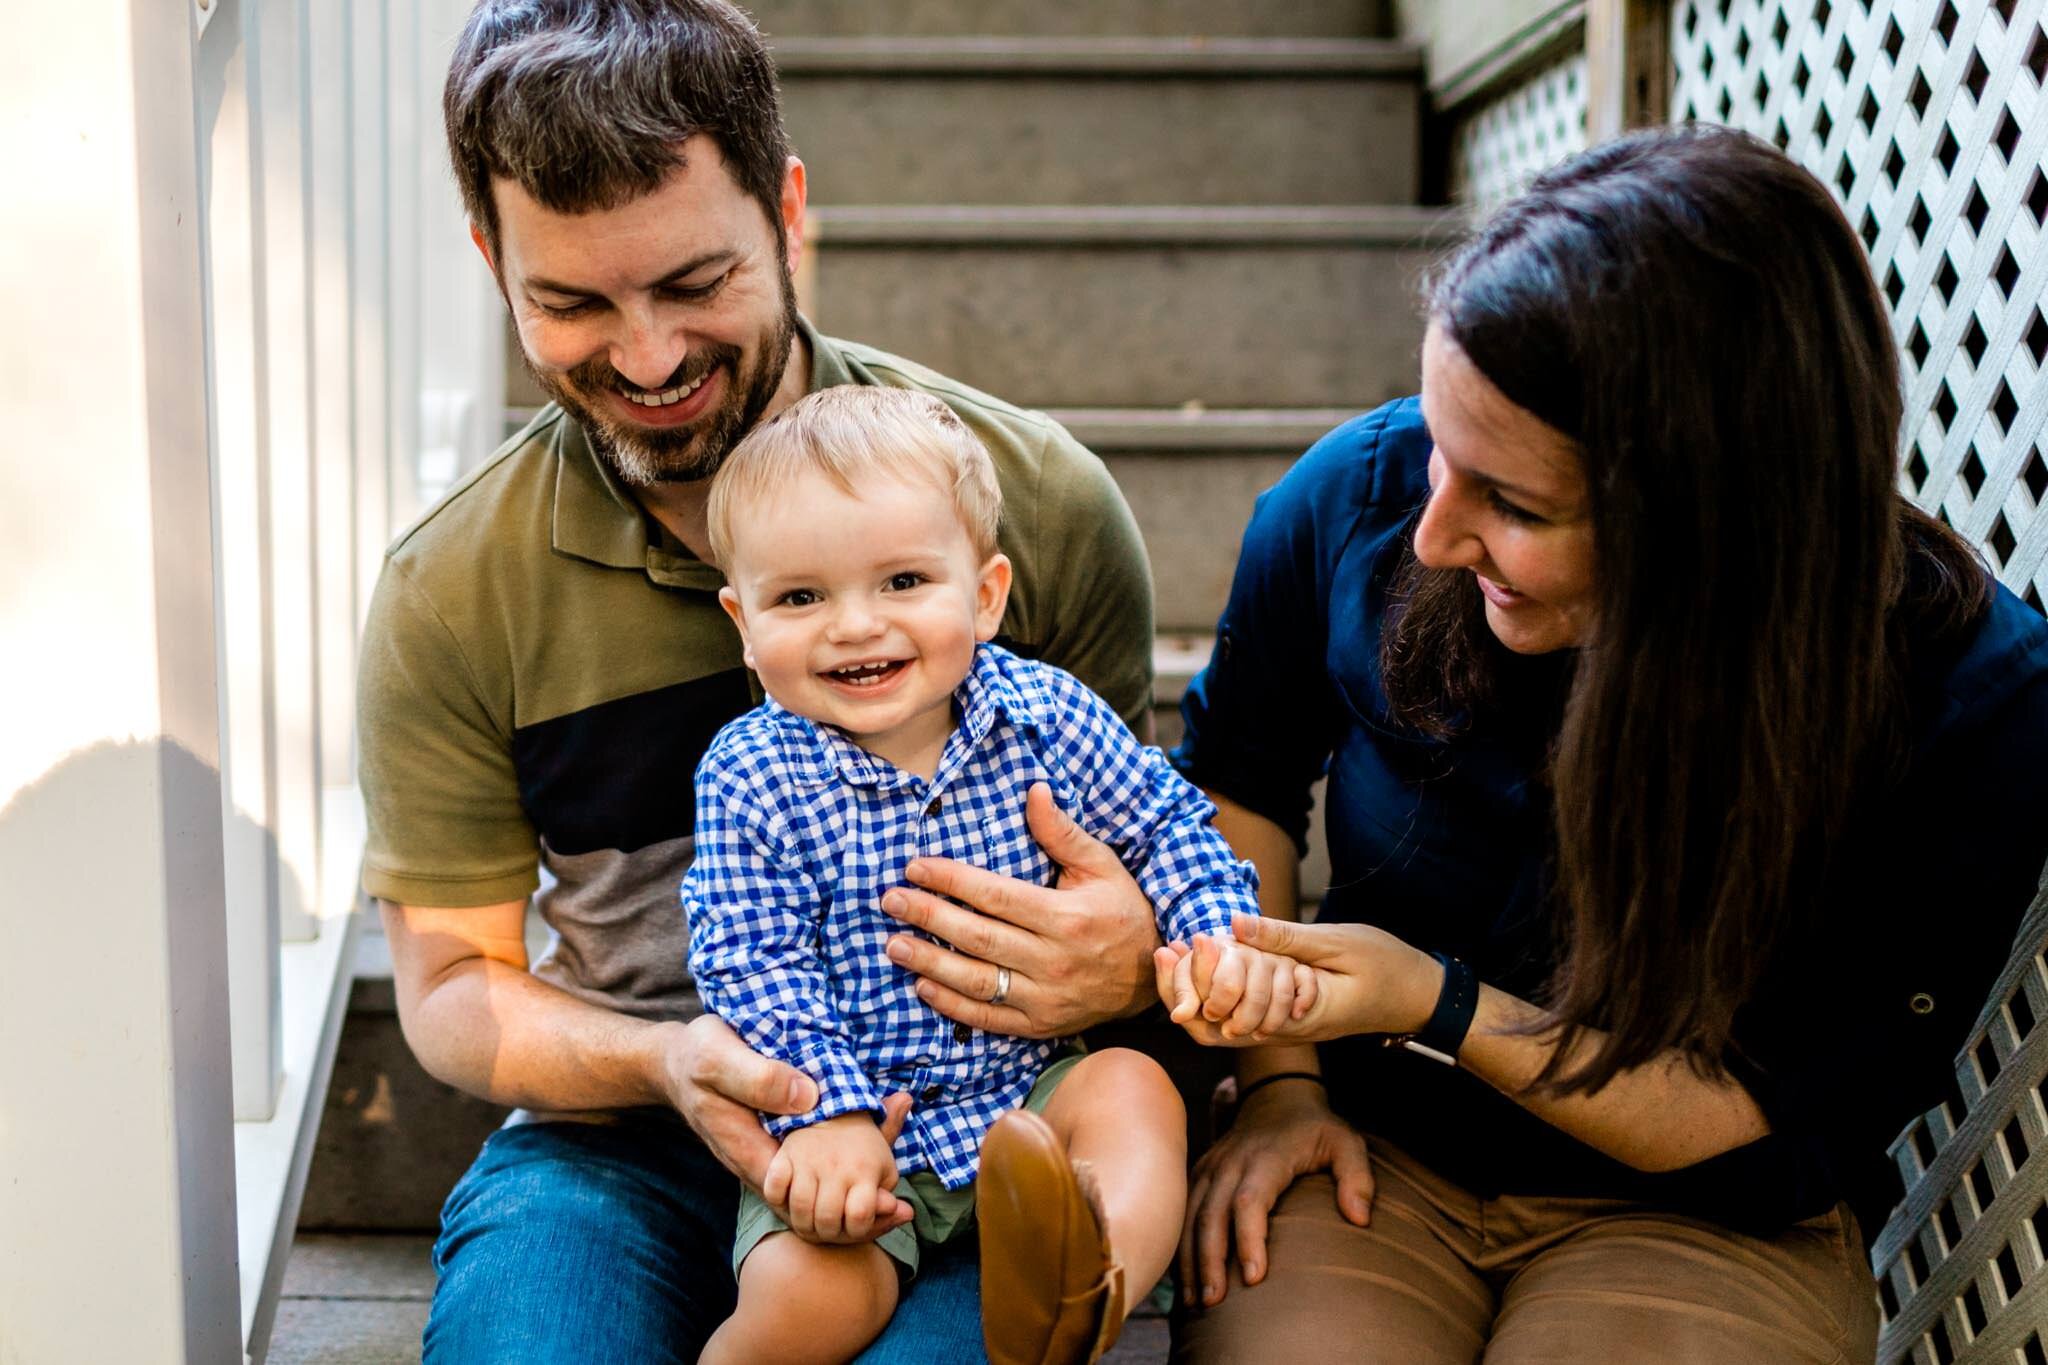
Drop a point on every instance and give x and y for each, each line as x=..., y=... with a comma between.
x=1444, y=844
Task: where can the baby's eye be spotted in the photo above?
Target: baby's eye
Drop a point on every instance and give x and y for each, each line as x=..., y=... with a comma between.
x=905, y=581
x=798, y=597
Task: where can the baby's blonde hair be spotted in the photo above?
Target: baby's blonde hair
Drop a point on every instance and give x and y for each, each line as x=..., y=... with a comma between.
x=852, y=434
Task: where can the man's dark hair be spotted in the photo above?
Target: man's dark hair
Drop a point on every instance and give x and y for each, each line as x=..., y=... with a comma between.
x=1692, y=310
x=584, y=103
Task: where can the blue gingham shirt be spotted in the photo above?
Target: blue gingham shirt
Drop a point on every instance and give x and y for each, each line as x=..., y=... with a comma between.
x=800, y=831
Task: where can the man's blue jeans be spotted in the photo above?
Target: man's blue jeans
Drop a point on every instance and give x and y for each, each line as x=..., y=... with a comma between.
x=593, y=1244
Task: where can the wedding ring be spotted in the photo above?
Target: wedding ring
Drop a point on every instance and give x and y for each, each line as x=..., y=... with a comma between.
x=1002, y=986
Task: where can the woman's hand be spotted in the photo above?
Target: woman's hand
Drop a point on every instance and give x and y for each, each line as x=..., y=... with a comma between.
x=1282, y=1133
x=1077, y=952
x=1365, y=981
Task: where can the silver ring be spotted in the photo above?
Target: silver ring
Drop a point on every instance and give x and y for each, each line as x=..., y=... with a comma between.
x=1002, y=986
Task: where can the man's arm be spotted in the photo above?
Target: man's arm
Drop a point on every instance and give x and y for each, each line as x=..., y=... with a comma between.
x=477, y=1020
x=1094, y=582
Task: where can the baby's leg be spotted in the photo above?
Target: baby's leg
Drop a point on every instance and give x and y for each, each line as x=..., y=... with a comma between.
x=1123, y=1125
x=802, y=1303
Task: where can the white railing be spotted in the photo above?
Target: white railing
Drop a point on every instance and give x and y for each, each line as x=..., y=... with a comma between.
x=236, y=267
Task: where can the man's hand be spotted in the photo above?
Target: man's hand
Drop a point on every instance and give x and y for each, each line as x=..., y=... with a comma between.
x=1079, y=952
x=831, y=1181
x=721, y=1087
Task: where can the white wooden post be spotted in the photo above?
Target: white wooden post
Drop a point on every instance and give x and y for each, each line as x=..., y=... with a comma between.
x=232, y=173
x=290, y=436
x=411, y=122
x=462, y=316
x=332, y=202
x=117, y=1213
x=1628, y=66
x=373, y=303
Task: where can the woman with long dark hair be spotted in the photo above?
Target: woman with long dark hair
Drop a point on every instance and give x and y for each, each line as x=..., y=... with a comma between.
x=1684, y=793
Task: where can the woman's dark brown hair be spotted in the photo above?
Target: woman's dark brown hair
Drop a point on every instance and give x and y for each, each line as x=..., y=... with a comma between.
x=1693, y=311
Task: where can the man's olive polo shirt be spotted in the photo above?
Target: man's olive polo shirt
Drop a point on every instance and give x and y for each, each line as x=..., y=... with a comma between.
x=543, y=666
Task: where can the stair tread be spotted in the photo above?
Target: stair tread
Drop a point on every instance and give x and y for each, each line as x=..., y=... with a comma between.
x=1176, y=658
x=999, y=224
x=1194, y=428
x=1105, y=56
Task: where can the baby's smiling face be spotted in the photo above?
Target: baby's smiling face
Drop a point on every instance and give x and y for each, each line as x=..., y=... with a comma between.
x=862, y=611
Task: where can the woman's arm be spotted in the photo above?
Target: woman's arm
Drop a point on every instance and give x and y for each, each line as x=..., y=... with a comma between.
x=1659, y=1116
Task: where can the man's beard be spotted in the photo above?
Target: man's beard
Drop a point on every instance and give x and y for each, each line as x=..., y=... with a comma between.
x=644, y=456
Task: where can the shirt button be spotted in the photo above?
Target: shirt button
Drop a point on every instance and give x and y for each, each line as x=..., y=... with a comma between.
x=961, y=1033
x=930, y=1093
x=1921, y=1003
x=933, y=808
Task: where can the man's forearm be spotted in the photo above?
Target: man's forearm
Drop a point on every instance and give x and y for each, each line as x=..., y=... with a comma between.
x=493, y=1030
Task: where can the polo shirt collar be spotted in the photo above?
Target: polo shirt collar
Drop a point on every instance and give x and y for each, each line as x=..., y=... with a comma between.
x=596, y=518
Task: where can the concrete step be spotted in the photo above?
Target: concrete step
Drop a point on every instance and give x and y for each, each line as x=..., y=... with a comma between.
x=941, y=18
x=393, y=1140
x=363, y=1300
x=1191, y=475
x=1105, y=120
x=1127, y=307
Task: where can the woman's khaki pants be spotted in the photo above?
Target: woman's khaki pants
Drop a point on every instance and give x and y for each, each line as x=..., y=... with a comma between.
x=1443, y=1276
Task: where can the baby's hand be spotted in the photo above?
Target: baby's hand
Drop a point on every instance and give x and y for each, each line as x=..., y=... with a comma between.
x=1225, y=992
x=832, y=1181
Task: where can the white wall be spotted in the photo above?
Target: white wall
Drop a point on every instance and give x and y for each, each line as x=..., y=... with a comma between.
x=117, y=1219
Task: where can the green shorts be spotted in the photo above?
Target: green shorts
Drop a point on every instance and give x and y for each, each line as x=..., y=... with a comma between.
x=940, y=1214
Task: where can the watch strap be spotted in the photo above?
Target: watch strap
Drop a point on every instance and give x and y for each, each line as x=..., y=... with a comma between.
x=1451, y=1020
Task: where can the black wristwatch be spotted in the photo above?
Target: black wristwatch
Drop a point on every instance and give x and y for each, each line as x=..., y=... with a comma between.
x=1440, y=1038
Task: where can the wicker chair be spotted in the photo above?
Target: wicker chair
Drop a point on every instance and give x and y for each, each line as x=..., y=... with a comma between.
x=1959, y=1264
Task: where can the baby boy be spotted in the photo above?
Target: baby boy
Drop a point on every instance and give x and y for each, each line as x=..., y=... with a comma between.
x=857, y=533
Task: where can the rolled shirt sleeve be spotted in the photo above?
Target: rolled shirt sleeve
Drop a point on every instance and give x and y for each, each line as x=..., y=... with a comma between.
x=1160, y=826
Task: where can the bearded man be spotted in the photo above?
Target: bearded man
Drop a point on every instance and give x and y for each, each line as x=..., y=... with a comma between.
x=546, y=660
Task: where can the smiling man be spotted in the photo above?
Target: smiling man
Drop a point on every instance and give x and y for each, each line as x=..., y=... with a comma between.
x=546, y=660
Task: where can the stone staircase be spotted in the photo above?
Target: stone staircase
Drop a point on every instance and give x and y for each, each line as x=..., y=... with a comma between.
x=1185, y=227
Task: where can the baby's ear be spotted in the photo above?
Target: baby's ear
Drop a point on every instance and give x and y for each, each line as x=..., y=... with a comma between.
x=991, y=596
x=730, y=600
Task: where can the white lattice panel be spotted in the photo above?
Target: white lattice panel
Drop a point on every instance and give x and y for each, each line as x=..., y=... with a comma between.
x=1533, y=125
x=1928, y=120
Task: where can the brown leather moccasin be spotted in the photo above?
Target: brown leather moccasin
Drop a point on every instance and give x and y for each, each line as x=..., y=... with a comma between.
x=1051, y=1293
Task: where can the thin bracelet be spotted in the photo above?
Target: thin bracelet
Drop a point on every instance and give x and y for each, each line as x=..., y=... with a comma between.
x=1248, y=1091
